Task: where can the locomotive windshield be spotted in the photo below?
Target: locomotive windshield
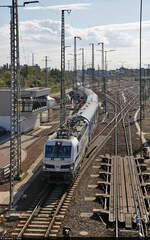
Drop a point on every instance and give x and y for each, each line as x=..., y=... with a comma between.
x=57, y=151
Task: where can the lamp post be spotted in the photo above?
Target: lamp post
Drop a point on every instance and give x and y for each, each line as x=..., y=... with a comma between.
x=106, y=62
x=15, y=96
x=68, y=75
x=102, y=62
x=105, y=77
x=71, y=67
x=75, y=63
x=93, y=70
x=46, y=70
x=83, y=72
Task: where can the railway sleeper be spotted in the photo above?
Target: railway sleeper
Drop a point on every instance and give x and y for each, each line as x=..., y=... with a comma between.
x=43, y=215
x=48, y=208
x=35, y=222
x=51, y=202
x=46, y=211
x=62, y=212
x=37, y=226
x=42, y=219
x=105, y=166
x=56, y=227
x=100, y=197
x=59, y=217
x=33, y=235
x=35, y=230
x=52, y=235
x=33, y=225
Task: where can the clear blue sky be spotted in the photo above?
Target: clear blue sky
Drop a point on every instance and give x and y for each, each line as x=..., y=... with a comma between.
x=93, y=20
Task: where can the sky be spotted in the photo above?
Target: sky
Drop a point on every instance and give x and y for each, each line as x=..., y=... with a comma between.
x=114, y=22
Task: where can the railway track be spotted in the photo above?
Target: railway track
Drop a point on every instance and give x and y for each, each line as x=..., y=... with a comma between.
x=40, y=221
x=44, y=220
x=119, y=206
x=126, y=208
x=117, y=199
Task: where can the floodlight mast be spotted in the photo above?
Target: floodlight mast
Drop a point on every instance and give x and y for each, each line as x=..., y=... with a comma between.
x=15, y=97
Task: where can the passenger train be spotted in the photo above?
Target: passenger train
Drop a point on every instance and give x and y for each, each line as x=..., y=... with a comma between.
x=64, y=151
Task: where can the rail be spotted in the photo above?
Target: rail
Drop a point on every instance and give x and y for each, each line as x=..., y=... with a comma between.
x=116, y=175
x=139, y=221
x=114, y=119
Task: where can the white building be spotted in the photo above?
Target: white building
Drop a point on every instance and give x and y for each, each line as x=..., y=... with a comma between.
x=33, y=102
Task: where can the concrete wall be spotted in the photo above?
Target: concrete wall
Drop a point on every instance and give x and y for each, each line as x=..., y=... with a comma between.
x=27, y=124
x=30, y=123
x=5, y=122
x=4, y=103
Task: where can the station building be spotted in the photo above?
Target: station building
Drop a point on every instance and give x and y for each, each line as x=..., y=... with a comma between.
x=33, y=102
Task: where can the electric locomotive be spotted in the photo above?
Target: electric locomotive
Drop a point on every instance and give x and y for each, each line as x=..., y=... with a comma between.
x=64, y=151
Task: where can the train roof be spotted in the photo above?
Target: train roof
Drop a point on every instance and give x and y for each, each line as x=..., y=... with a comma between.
x=90, y=107
x=72, y=139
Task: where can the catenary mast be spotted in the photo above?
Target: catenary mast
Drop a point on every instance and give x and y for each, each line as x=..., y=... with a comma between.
x=15, y=138
x=62, y=91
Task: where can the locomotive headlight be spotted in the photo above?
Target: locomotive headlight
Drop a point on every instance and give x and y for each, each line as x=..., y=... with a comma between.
x=72, y=166
x=43, y=166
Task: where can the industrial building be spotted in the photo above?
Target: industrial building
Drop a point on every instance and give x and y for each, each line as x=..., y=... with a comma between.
x=33, y=102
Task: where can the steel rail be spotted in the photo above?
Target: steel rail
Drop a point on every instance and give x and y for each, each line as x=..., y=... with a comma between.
x=86, y=164
x=139, y=221
x=35, y=210
x=129, y=104
x=116, y=177
x=133, y=180
x=55, y=214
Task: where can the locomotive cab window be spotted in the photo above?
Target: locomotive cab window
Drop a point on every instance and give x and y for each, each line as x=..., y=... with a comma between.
x=57, y=151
